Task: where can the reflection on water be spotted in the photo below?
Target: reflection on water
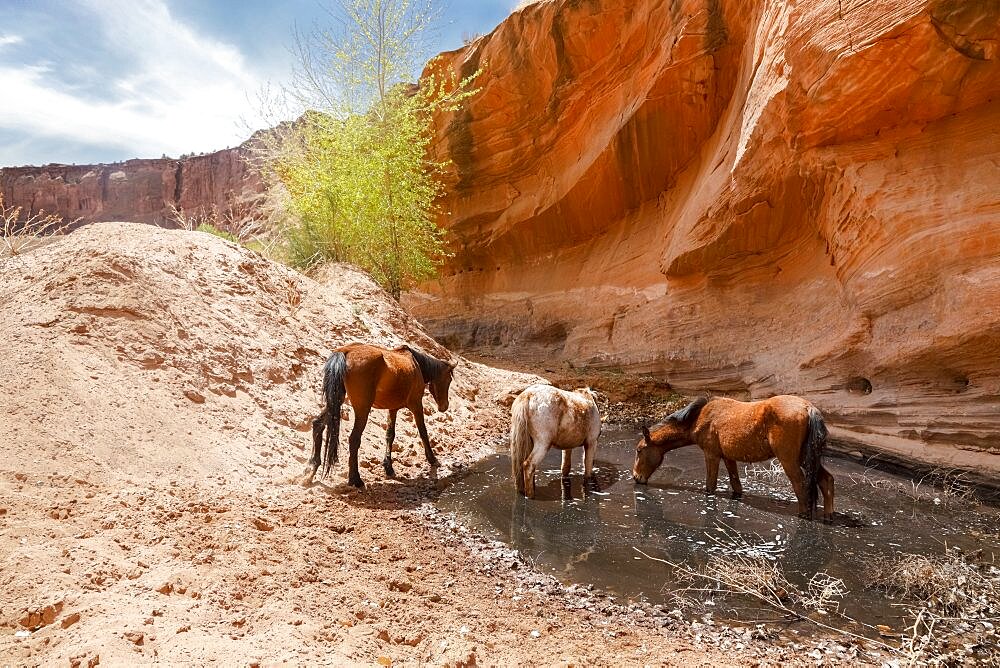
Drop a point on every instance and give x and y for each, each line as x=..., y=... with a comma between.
x=589, y=536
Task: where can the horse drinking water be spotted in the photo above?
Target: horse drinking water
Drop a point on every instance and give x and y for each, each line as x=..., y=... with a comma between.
x=544, y=417
x=786, y=427
x=374, y=377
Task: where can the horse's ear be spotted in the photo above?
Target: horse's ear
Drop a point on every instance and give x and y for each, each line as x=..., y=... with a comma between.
x=645, y=435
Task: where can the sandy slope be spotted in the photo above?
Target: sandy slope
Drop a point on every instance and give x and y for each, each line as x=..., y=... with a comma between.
x=155, y=389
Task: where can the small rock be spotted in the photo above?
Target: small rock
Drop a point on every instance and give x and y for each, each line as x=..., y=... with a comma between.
x=70, y=620
x=262, y=524
x=400, y=586
x=135, y=637
x=22, y=634
x=384, y=661
x=536, y=634
x=195, y=397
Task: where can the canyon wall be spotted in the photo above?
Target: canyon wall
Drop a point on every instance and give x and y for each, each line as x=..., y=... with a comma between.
x=746, y=197
x=136, y=190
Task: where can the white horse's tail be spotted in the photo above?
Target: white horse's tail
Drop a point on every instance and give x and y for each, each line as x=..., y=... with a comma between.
x=520, y=439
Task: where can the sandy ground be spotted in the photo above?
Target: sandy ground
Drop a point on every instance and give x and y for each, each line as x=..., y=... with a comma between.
x=155, y=392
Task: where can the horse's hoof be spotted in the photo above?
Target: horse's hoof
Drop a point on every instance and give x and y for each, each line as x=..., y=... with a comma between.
x=737, y=495
x=355, y=481
x=389, y=471
x=434, y=462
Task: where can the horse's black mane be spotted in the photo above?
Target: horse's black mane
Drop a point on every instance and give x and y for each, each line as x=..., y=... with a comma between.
x=689, y=413
x=430, y=367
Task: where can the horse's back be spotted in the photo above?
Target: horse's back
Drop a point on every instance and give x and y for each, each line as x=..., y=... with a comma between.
x=562, y=419
x=749, y=430
x=388, y=377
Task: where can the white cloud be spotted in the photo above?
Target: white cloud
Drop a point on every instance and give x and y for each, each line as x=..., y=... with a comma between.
x=183, y=91
x=10, y=40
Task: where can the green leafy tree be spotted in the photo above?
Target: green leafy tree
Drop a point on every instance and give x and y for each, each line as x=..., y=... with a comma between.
x=355, y=167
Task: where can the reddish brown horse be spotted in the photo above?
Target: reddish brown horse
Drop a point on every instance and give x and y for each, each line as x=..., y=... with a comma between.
x=374, y=377
x=786, y=427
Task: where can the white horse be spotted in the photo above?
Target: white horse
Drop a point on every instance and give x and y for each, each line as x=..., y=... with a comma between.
x=544, y=417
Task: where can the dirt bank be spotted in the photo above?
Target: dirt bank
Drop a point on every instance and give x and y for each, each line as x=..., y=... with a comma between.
x=156, y=388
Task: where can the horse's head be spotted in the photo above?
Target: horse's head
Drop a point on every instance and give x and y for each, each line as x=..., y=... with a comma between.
x=674, y=433
x=649, y=453
x=440, y=384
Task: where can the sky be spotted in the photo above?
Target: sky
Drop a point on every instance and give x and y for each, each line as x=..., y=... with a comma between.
x=85, y=81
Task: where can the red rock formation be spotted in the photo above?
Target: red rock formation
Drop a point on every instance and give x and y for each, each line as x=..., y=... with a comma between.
x=743, y=196
x=135, y=190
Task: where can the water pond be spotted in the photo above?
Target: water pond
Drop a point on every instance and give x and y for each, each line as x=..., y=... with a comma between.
x=586, y=536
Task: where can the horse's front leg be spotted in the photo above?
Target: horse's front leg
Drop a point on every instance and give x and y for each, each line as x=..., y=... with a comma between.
x=735, y=486
x=711, y=472
x=390, y=436
x=567, y=462
x=418, y=417
x=360, y=422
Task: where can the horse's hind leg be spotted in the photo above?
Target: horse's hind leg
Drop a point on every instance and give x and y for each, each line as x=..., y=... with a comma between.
x=360, y=422
x=567, y=462
x=794, y=473
x=735, y=486
x=531, y=466
x=825, y=480
x=390, y=436
x=711, y=473
x=589, y=450
x=332, y=438
x=319, y=423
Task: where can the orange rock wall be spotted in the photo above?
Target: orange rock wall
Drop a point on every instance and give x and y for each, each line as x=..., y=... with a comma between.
x=135, y=190
x=743, y=196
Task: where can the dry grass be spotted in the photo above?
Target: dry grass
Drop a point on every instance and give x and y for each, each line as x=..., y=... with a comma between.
x=940, y=486
x=953, y=602
x=746, y=569
x=20, y=235
x=770, y=472
x=239, y=219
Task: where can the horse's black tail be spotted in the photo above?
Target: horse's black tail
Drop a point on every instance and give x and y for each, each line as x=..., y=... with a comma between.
x=812, y=457
x=334, y=391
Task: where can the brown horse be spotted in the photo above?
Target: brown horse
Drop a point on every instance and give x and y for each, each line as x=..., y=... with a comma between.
x=374, y=377
x=786, y=427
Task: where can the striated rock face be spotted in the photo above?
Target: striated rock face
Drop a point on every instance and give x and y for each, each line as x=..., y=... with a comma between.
x=136, y=190
x=743, y=196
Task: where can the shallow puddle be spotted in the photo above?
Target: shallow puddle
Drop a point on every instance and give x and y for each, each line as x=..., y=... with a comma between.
x=586, y=536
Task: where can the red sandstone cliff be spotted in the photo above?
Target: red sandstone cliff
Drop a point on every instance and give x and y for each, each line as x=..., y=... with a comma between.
x=135, y=190
x=745, y=196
